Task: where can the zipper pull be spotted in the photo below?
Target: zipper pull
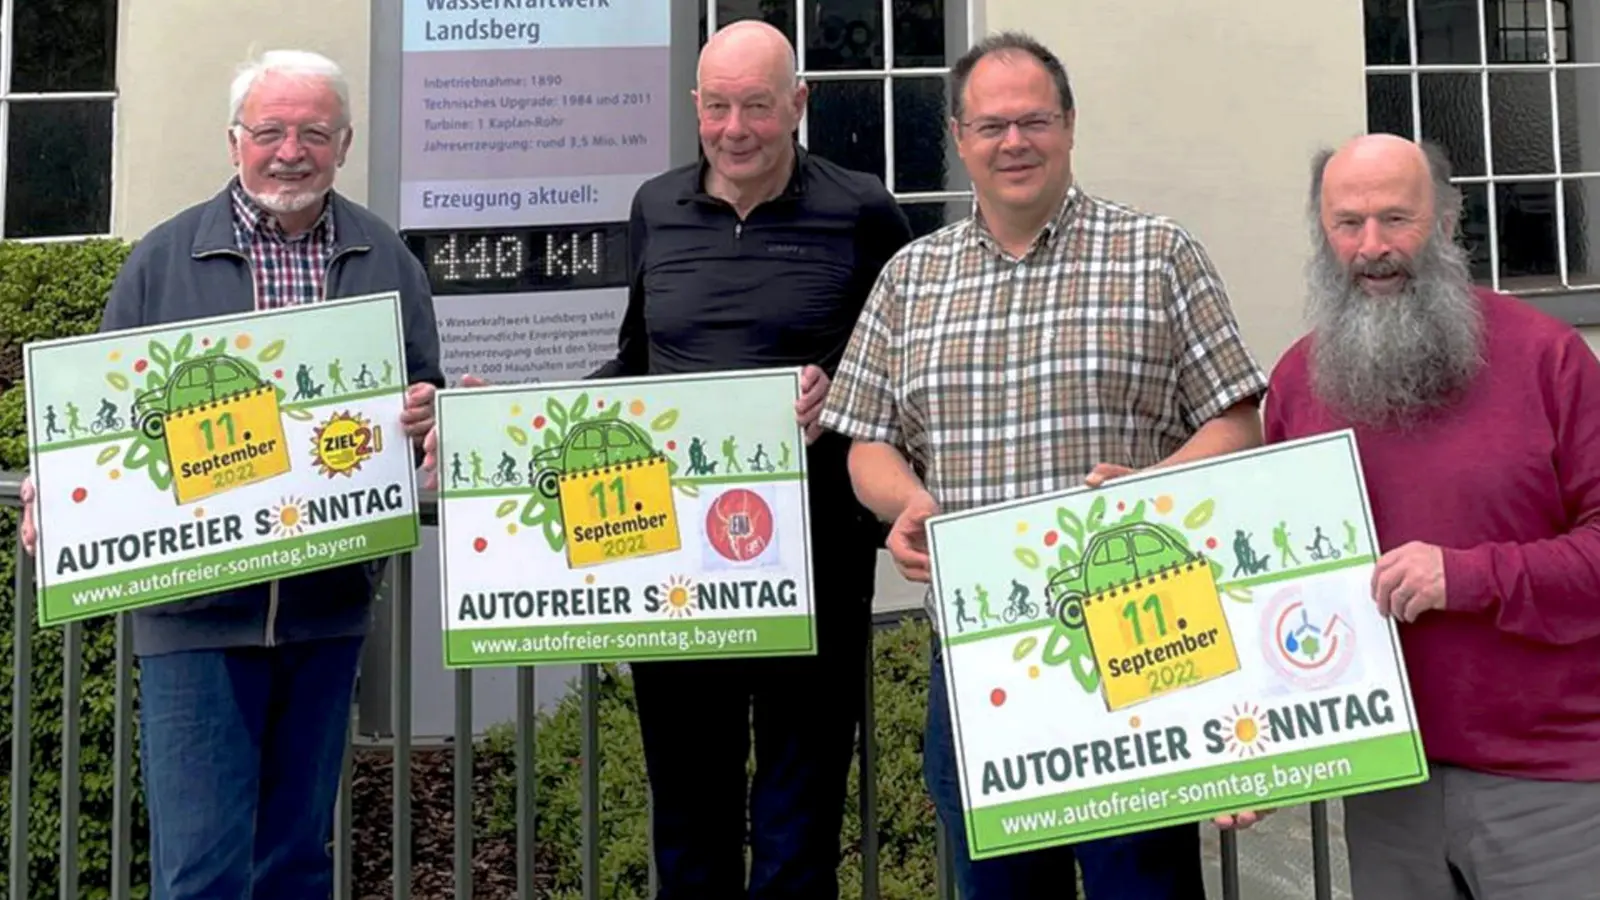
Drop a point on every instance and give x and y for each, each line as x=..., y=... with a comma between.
x=738, y=229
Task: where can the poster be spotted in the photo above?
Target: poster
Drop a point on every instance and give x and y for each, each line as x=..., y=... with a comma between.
x=625, y=519
x=530, y=114
x=1172, y=646
x=184, y=459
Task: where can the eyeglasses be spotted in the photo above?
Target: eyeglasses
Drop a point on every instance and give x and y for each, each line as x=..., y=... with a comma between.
x=271, y=134
x=990, y=128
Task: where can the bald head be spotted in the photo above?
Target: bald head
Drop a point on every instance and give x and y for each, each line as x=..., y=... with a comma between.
x=749, y=47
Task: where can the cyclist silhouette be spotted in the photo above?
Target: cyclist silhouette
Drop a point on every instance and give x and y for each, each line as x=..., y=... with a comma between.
x=508, y=470
x=1017, y=606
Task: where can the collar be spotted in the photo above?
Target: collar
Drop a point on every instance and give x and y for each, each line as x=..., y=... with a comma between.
x=214, y=232
x=257, y=219
x=695, y=191
x=1056, y=226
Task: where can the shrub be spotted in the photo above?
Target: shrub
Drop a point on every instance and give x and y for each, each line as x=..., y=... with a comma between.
x=50, y=291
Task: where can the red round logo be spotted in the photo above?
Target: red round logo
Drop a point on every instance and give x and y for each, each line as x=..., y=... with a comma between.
x=739, y=525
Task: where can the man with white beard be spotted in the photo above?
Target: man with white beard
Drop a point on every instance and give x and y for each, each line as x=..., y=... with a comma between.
x=1477, y=419
x=245, y=694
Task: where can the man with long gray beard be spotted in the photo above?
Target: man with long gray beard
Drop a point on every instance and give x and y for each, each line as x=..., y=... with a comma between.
x=1477, y=420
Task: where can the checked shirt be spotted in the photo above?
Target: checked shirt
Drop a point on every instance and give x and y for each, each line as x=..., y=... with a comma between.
x=1112, y=340
x=287, y=271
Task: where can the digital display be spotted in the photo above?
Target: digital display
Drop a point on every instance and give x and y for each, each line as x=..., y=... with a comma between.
x=521, y=260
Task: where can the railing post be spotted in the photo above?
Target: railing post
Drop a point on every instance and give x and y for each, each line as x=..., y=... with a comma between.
x=122, y=757
x=462, y=813
x=591, y=781
x=71, y=755
x=868, y=782
x=1321, y=867
x=527, y=840
x=21, y=722
x=400, y=675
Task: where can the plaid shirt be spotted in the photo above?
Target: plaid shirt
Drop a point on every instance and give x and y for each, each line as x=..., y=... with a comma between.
x=1111, y=340
x=288, y=271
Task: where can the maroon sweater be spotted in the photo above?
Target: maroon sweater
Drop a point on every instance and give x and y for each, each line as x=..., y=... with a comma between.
x=1506, y=678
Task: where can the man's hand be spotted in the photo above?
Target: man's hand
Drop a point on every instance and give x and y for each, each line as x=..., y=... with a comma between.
x=1409, y=581
x=808, y=409
x=1104, y=472
x=908, y=538
x=30, y=534
x=430, y=440
x=1241, y=821
x=417, y=417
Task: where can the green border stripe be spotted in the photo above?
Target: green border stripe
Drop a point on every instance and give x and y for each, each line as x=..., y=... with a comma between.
x=628, y=641
x=1374, y=763
x=384, y=537
x=1222, y=586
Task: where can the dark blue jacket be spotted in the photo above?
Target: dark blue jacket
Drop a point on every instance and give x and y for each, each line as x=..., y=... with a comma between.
x=189, y=267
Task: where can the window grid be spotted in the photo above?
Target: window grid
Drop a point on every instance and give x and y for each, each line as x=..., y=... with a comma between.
x=9, y=99
x=1554, y=54
x=887, y=75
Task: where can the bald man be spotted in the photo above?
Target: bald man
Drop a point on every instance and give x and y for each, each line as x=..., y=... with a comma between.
x=759, y=255
x=1478, y=422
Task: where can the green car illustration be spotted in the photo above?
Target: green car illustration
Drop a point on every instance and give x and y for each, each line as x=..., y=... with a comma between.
x=588, y=445
x=1115, y=556
x=196, y=381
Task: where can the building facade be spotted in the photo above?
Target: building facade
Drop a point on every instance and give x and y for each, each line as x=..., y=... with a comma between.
x=112, y=115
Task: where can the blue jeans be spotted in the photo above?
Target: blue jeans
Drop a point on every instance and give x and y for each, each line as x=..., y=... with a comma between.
x=1163, y=864
x=241, y=751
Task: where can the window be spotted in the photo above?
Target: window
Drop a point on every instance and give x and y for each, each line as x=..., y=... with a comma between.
x=57, y=108
x=877, y=71
x=1511, y=90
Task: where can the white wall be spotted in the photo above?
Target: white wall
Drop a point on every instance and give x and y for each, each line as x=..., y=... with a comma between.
x=1209, y=112
x=175, y=61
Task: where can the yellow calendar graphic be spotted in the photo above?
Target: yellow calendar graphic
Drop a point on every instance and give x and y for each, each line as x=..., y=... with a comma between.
x=1159, y=633
x=225, y=443
x=620, y=511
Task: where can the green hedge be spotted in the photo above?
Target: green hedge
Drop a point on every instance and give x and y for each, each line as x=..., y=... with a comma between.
x=49, y=291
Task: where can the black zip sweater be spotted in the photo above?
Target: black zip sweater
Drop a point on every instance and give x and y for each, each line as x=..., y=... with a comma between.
x=783, y=287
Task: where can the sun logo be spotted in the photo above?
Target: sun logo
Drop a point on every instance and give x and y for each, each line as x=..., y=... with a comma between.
x=677, y=597
x=288, y=518
x=1245, y=737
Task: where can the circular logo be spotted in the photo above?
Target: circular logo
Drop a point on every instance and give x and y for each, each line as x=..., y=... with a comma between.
x=343, y=443
x=739, y=525
x=1310, y=645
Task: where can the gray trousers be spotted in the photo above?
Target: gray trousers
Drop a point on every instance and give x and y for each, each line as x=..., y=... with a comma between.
x=1464, y=834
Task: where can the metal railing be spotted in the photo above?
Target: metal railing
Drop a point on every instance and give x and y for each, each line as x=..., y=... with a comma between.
x=399, y=646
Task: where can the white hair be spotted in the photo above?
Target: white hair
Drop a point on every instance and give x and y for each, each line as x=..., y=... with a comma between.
x=295, y=63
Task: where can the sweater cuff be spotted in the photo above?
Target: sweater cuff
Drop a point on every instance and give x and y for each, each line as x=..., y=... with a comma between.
x=1466, y=580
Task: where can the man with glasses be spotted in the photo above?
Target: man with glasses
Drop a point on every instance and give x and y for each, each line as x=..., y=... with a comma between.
x=245, y=695
x=1052, y=338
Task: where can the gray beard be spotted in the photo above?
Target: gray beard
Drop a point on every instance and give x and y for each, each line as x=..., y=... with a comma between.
x=1393, y=360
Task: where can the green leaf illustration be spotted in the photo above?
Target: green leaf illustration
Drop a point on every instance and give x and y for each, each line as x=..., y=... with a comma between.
x=1097, y=513
x=552, y=437
x=517, y=435
x=272, y=351
x=1239, y=594
x=672, y=467
x=117, y=380
x=1069, y=556
x=1200, y=515
x=580, y=406
x=557, y=412
x=1027, y=557
x=688, y=490
x=1051, y=573
x=664, y=421
x=107, y=455
x=553, y=535
x=217, y=349
x=1071, y=525
x=160, y=354
x=154, y=381
x=1024, y=647
x=185, y=346
x=612, y=411
x=506, y=508
x=1134, y=515
x=299, y=415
